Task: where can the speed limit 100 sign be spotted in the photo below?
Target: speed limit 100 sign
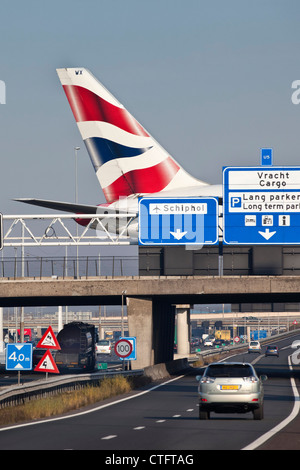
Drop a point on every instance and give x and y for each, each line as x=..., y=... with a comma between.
x=123, y=348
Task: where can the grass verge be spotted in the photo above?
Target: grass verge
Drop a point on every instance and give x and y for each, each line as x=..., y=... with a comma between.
x=68, y=401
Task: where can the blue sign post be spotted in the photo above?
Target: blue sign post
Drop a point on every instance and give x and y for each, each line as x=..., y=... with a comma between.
x=180, y=221
x=261, y=205
x=19, y=356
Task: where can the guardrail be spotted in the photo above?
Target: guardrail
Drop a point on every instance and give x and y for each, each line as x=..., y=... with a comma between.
x=19, y=394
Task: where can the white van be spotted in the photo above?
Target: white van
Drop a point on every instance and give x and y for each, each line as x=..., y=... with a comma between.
x=103, y=347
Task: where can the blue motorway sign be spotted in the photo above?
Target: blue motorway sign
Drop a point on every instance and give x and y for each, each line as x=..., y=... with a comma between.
x=18, y=356
x=180, y=221
x=132, y=356
x=261, y=205
x=266, y=156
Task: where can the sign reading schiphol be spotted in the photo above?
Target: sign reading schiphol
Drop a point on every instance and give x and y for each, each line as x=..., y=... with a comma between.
x=180, y=221
x=261, y=205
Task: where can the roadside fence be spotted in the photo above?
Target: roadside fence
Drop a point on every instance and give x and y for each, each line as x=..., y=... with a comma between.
x=62, y=267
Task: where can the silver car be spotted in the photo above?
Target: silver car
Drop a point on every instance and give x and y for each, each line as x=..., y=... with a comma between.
x=230, y=387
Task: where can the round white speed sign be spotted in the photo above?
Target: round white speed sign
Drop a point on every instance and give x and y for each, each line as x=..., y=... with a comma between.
x=123, y=348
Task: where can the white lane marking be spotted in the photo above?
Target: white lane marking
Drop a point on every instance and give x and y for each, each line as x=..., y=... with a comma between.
x=161, y=421
x=190, y=409
x=286, y=347
x=176, y=416
x=257, y=359
x=93, y=409
x=138, y=428
x=112, y=436
x=262, y=439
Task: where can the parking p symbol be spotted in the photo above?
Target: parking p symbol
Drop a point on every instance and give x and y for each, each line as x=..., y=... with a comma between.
x=235, y=201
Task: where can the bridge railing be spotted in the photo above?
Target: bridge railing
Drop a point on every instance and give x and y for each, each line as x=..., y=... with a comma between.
x=63, y=267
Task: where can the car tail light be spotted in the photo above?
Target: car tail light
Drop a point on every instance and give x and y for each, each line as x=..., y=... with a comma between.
x=251, y=379
x=207, y=380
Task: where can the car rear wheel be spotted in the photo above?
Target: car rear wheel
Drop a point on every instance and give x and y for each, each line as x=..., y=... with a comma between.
x=258, y=413
x=203, y=414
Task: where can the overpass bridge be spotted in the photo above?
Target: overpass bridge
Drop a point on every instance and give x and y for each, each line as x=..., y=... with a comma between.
x=151, y=301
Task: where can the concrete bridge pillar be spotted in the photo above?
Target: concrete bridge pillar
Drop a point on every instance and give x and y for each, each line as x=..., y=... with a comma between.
x=183, y=329
x=140, y=325
x=153, y=325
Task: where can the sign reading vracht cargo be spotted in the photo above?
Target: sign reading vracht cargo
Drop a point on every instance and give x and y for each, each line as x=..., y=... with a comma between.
x=182, y=221
x=261, y=205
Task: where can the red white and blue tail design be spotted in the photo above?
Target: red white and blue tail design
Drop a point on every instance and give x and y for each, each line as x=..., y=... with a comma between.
x=127, y=160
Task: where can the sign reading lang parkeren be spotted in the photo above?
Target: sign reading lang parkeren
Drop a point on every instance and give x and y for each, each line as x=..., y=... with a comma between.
x=261, y=205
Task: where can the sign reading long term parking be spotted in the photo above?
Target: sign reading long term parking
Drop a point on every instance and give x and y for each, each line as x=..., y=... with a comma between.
x=261, y=205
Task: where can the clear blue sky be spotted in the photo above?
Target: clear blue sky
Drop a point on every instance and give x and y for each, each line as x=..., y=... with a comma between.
x=211, y=81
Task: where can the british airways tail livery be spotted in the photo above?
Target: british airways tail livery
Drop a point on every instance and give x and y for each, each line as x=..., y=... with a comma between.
x=127, y=160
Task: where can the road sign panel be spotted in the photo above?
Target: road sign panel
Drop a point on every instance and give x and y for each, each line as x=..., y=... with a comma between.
x=261, y=205
x=123, y=348
x=47, y=364
x=48, y=340
x=18, y=356
x=266, y=157
x=132, y=340
x=101, y=365
x=181, y=221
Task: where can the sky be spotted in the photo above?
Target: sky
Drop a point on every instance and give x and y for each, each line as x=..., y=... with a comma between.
x=211, y=81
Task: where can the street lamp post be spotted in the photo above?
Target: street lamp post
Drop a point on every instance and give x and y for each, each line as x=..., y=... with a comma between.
x=122, y=313
x=122, y=323
x=76, y=201
x=76, y=174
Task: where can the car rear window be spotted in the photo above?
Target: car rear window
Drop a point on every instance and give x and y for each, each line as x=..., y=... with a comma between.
x=226, y=370
x=103, y=343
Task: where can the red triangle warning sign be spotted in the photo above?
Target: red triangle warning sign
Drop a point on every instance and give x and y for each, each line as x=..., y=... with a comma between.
x=47, y=364
x=48, y=340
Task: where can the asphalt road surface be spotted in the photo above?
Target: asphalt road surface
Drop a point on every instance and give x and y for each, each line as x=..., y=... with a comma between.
x=165, y=417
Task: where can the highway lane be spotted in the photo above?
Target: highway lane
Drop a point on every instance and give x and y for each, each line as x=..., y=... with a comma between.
x=164, y=418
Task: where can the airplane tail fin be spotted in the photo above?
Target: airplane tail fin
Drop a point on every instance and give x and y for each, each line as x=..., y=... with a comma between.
x=127, y=160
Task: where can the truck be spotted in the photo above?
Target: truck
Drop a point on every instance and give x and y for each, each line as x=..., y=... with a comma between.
x=77, y=341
